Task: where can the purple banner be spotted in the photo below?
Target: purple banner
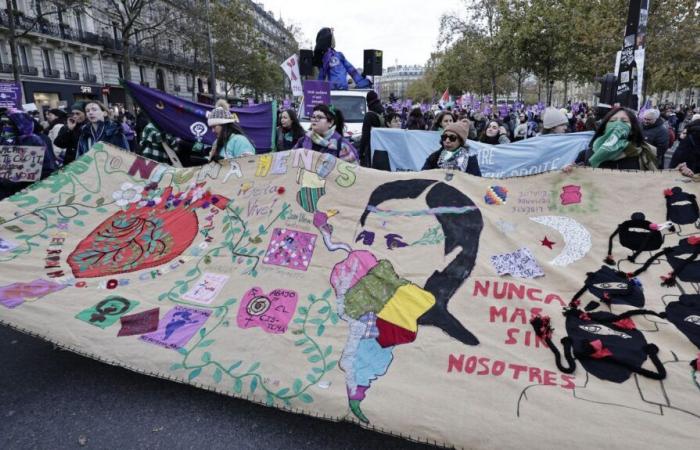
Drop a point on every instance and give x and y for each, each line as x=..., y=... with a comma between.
x=188, y=120
x=10, y=94
x=315, y=93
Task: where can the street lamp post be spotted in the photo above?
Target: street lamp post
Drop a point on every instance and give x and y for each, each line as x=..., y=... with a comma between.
x=212, y=67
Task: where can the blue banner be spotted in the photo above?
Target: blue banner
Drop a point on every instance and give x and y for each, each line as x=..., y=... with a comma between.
x=408, y=150
x=188, y=120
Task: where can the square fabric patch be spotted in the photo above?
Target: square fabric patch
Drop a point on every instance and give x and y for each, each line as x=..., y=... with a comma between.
x=271, y=312
x=520, y=263
x=177, y=327
x=107, y=312
x=290, y=248
x=13, y=295
x=207, y=288
x=139, y=323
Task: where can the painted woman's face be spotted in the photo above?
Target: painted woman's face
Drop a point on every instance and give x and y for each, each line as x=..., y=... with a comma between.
x=409, y=248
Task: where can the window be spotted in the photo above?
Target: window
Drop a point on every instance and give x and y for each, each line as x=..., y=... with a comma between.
x=87, y=65
x=120, y=70
x=170, y=45
x=47, y=59
x=79, y=21
x=67, y=63
x=115, y=31
x=25, y=55
x=142, y=73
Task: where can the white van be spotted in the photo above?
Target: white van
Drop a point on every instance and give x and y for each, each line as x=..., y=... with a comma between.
x=353, y=104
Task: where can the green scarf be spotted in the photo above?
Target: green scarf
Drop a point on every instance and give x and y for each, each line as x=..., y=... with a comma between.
x=611, y=144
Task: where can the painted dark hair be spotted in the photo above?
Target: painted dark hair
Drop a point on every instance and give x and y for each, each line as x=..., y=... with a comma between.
x=636, y=136
x=460, y=230
x=438, y=119
x=335, y=116
x=297, y=129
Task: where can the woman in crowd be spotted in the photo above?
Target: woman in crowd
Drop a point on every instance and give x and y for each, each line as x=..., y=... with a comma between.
x=99, y=128
x=687, y=156
x=454, y=152
x=494, y=134
x=415, y=120
x=289, y=131
x=619, y=144
x=325, y=136
x=442, y=120
x=57, y=120
x=393, y=120
x=128, y=130
x=231, y=141
x=464, y=118
x=554, y=121
x=69, y=135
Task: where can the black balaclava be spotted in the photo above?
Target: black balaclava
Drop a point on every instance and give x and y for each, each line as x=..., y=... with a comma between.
x=681, y=207
x=685, y=315
x=682, y=258
x=636, y=234
x=612, y=287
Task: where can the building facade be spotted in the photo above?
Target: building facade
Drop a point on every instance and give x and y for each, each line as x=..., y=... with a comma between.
x=396, y=79
x=76, y=55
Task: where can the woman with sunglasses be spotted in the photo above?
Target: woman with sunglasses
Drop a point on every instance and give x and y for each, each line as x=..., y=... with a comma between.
x=326, y=136
x=454, y=153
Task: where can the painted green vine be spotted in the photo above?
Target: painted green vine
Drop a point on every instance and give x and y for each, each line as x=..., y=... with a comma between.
x=312, y=319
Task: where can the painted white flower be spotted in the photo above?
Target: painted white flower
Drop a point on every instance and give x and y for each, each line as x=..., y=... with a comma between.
x=129, y=193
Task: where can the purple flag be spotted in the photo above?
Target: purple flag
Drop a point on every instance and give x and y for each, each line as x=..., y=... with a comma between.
x=188, y=120
x=10, y=94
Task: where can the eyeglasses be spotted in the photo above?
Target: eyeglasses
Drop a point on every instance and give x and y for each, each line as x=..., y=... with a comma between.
x=448, y=137
x=317, y=117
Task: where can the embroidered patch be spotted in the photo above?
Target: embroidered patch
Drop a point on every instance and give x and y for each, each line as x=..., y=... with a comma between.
x=577, y=240
x=520, y=263
x=177, y=327
x=290, y=248
x=107, y=312
x=7, y=246
x=570, y=194
x=271, y=312
x=496, y=195
x=207, y=288
x=15, y=294
x=139, y=323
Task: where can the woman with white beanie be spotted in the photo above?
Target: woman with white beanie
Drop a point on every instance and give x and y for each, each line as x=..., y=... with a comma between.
x=231, y=141
x=554, y=121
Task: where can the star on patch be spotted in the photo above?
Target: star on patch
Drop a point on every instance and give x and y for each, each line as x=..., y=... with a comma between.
x=547, y=243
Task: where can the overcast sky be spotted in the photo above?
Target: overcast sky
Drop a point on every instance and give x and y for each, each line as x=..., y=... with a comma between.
x=406, y=30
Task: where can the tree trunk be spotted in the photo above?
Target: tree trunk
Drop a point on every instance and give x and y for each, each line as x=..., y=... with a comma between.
x=126, y=65
x=493, y=88
x=13, y=48
x=566, y=90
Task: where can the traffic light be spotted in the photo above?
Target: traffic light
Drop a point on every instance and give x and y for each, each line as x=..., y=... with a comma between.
x=608, y=88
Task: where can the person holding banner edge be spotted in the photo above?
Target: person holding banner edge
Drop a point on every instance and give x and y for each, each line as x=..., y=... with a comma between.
x=231, y=141
x=454, y=152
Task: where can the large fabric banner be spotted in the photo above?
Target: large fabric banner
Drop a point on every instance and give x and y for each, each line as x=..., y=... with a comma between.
x=467, y=312
x=188, y=120
x=408, y=150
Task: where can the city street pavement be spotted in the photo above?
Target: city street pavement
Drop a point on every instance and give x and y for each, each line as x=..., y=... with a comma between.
x=54, y=399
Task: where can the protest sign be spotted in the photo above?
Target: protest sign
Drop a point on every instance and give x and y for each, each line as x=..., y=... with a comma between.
x=315, y=92
x=408, y=150
x=19, y=163
x=10, y=94
x=188, y=120
x=291, y=68
x=408, y=303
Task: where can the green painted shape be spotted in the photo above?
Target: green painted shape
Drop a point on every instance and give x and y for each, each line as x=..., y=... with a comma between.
x=112, y=309
x=355, y=408
x=371, y=293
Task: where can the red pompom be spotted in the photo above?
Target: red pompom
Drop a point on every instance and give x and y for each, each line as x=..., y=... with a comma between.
x=694, y=240
x=626, y=324
x=668, y=192
x=281, y=190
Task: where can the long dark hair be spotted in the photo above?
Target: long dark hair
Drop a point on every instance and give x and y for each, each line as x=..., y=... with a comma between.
x=636, y=136
x=415, y=120
x=483, y=137
x=460, y=229
x=335, y=115
x=438, y=119
x=227, y=130
x=296, y=128
x=324, y=41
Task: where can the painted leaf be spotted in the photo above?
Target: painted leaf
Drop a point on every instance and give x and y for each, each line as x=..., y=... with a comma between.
x=194, y=374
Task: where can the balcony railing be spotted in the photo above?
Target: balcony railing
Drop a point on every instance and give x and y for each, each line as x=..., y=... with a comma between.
x=68, y=75
x=6, y=68
x=145, y=83
x=90, y=78
x=51, y=73
x=28, y=70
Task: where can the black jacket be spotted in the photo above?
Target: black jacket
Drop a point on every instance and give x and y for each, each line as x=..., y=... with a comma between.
x=472, y=164
x=373, y=118
x=68, y=139
x=688, y=150
x=657, y=135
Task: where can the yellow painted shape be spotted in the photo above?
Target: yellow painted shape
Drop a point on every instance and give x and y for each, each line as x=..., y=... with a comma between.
x=408, y=303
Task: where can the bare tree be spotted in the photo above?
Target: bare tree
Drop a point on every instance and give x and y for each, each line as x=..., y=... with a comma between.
x=32, y=24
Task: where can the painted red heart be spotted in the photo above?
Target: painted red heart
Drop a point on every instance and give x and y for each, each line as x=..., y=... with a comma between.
x=141, y=236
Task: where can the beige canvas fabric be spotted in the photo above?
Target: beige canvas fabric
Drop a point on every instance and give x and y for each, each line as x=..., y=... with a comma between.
x=265, y=306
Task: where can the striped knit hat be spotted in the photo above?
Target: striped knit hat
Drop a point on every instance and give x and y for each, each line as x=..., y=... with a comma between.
x=220, y=115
